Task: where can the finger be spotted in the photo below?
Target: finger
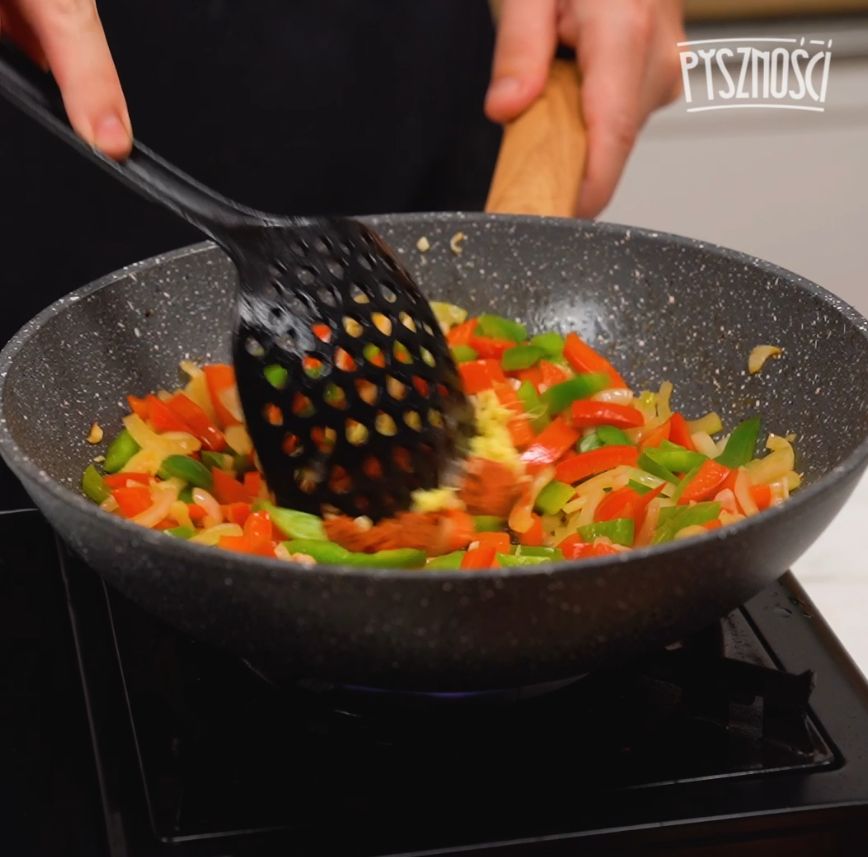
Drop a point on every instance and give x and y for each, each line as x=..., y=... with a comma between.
x=17, y=29
x=522, y=56
x=75, y=46
x=613, y=50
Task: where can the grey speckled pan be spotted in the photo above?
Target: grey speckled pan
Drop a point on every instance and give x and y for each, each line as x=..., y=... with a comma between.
x=661, y=307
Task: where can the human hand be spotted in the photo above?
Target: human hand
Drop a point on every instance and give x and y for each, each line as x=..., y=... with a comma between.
x=628, y=59
x=66, y=36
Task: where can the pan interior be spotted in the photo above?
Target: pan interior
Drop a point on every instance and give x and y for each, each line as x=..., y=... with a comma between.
x=659, y=309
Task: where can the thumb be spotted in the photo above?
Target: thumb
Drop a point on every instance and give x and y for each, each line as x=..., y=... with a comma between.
x=526, y=39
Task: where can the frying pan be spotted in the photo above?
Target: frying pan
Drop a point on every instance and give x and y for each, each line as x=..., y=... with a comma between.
x=660, y=306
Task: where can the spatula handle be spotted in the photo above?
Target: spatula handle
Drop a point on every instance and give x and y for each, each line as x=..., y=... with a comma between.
x=35, y=93
x=542, y=155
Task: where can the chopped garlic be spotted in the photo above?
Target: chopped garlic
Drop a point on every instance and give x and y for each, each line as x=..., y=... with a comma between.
x=95, y=435
x=435, y=500
x=759, y=355
x=455, y=243
x=423, y=245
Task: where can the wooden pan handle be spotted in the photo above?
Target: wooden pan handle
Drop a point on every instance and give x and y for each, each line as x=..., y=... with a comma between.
x=542, y=155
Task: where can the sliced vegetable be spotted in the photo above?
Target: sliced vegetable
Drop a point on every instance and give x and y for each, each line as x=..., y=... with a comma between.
x=583, y=358
x=322, y=551
x=218, y=459
x=521, y=357
x=189, y=470
x=293, y=524
x=679, y=432
x=132, y=501
x=447, y=560
x=479, y=375
x=198, y=421
x=516, y=561
x=499, y=542
x=551, y=553
x=533, y=405
x=182, y=532
x=534, y=535
x=650, y=462
x=592, y=441
x=227, y=489
x=462, y=333
x=562, y=395
x=463, y=353
x=551, y=344
x=687, y=516
x=674, y=458
x=587, y=414
x=120, y=451
x=220, y=378
x=551, y=444
x=481, y=557
x=574, y=547
x=702, y=483
x=619, y=531
x=498, y=327
x=611, y=436
x=94, y=485
x=488, y=523
x=741, y=446
x=578, y=467
x=554, y=497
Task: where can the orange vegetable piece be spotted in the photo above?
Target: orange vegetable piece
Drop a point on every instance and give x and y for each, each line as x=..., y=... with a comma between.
x=132, y=501
x=657, y=436
x=534, y=536
x=583, y=358
x=550, y=374
x=587, y=413
x=163, y=418
x=481, y=557
x=138, y=406
x=253, y=484
x=488, y=347
x=236, y=513
x=479, y=375
x=220, y=377
x=197, y=420
x=227, y=489
x=461, y=333
x=120, y=480
x=196, y=512
x=680, y=432
x=520, y=429
x=706, y=484
x=498, y=541
x=762, y=496
x=551, y=443
x=577, y=467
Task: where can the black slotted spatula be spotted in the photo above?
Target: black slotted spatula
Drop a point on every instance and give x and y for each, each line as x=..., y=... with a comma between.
x=349, y=391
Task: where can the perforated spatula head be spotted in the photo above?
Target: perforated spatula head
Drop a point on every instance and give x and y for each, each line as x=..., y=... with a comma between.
x=351, y=395
x=348, y=387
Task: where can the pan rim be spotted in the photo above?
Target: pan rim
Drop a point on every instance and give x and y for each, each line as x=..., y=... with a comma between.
x=19, y=462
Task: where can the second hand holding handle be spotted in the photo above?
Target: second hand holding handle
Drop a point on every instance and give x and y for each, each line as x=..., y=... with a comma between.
x=542, y=155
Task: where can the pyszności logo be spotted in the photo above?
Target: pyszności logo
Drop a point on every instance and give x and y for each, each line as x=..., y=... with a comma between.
x=783, y=73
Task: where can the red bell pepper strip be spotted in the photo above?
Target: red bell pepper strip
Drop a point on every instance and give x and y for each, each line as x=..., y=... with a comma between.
x=481, y=557
x=575, y=468
x=489, y=348
x=196, y=512
x=237, y=513
x=459, y=528
x=132, y=501
x=617, y=504
x=583, y=358
x=227, y=489
x=479, y=375
x=680, y=432
x=533, y=537
x=574, y=548
x=550, y=444
x=762, y=496
x=657, y=436
x=587, y=413
x=519, y=426
x=705, y=484
x=258, y=532
x=120, y=480
x=198, y=421
x=138, y=406
x=534, y=375
x=221, y=377
x=253, y=484
x=498, y=541
x=163, y=418
x=461, y=333
x=551, y=374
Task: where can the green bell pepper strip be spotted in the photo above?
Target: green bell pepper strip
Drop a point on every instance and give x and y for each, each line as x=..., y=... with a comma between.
x=684, y=516
x=498, y=327
x=398, y=558
x=296, y=525
x=447, y=560
x=590, y=442
x=553, y=497
x=676, y=460
x=551, y=343
x=561, y=396
x=639, y=488
x=649, y=462
x=508, y=560
x=533, y=405
x=120, y=451
x=322, y=551
x=620, y=531
x=488, y=523
x=463, y=353
x=191, y=471
x=521, y=357
x=611, y=436
x=94, y=486
x=276, y=375
x=741, y=446
x=554, y=554
x=182, y=532
x=242, y=464
x=186, y=494
x=220, y=460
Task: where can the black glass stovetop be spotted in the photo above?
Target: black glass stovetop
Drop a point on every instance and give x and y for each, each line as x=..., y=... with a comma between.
x=750, y=738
